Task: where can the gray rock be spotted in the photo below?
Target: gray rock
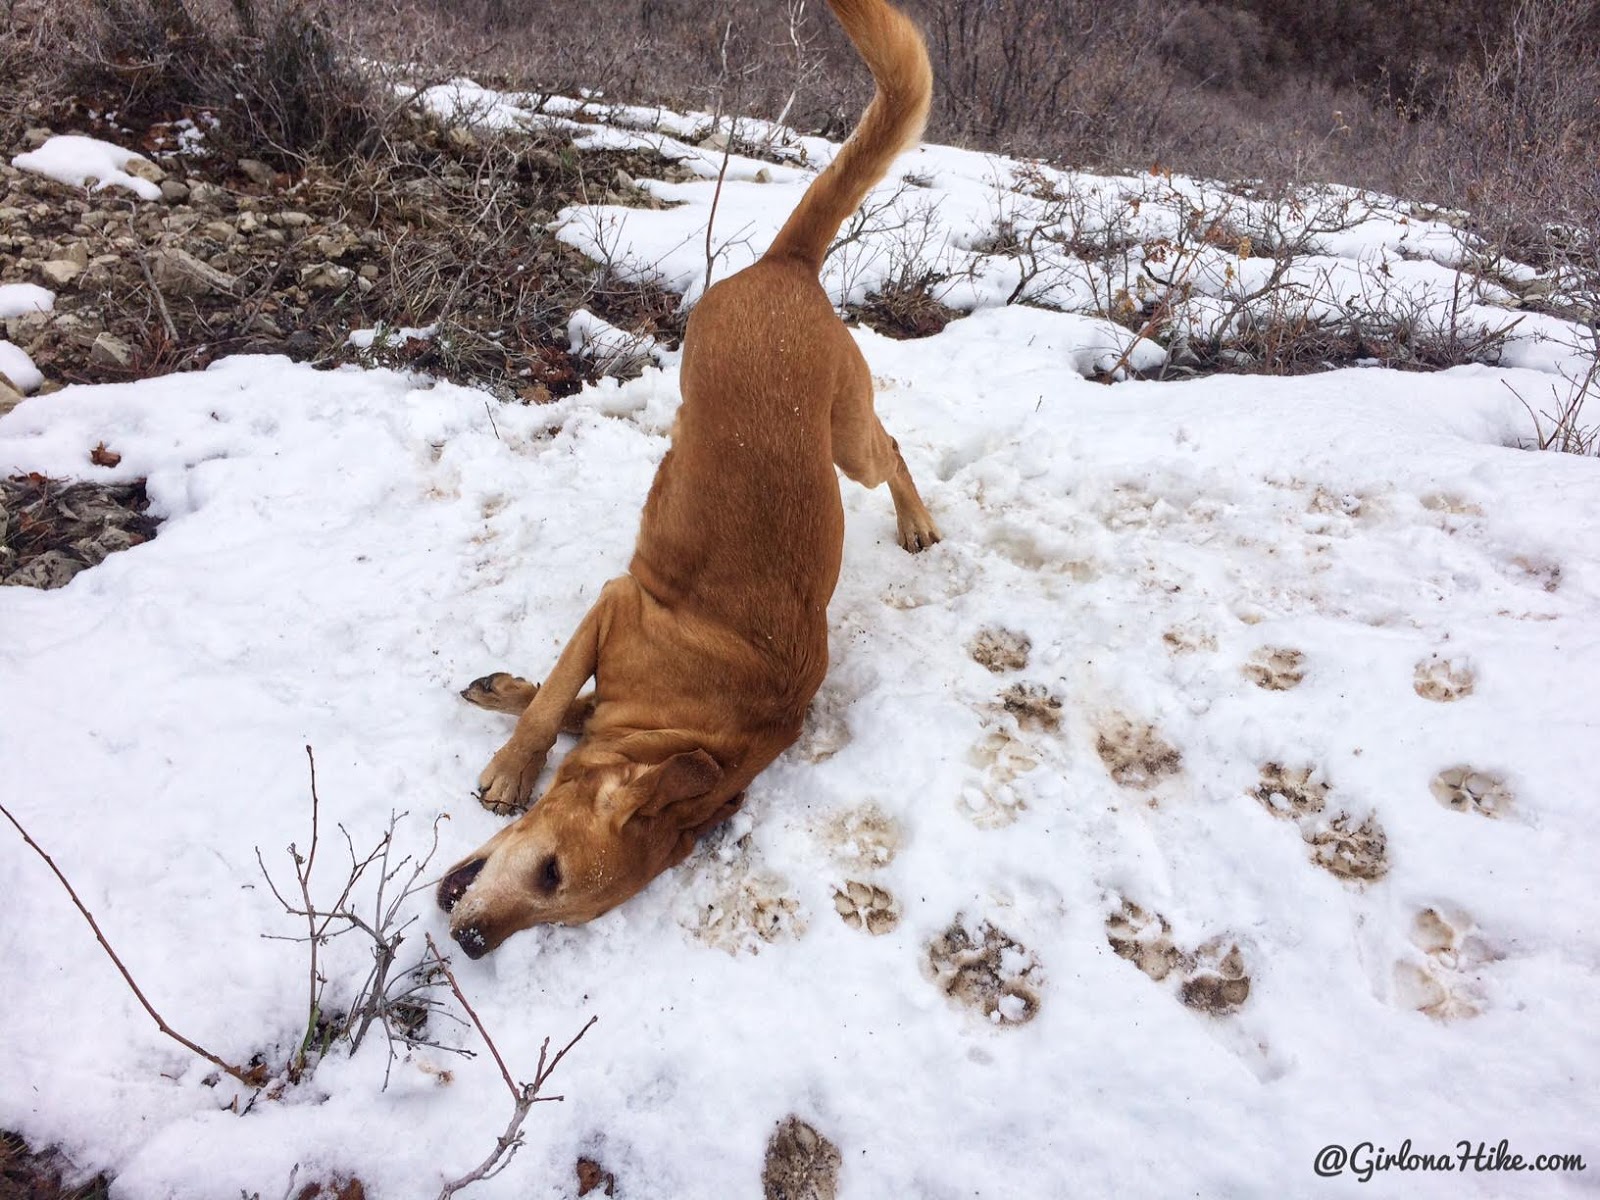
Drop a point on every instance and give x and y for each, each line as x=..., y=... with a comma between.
x=10, y=397
x=207, y=195
x=291, y=219
x=60, y=272
x=52, y=569
x=257, y=172
x=181, y=272
x=96, y=549
x=109, y=350
x=174, y=191
x=143, y=168
x=325, y=277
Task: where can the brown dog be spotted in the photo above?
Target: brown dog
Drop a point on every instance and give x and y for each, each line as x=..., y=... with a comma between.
x=706, y=654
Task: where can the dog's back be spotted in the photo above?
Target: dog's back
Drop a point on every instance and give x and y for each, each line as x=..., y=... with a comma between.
x=744, y=521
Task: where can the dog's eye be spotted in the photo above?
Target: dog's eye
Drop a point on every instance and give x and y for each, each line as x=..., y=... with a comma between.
x=550, y=874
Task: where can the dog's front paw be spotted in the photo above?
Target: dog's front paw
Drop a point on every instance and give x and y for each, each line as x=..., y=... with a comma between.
x=507, y=782
x=918, y=534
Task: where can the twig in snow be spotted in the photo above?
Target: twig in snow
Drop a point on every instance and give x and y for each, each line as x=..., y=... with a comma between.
x=523, y=1097
x=251, y=1078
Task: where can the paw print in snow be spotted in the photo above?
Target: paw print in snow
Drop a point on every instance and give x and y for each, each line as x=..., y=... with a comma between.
x=1463, y=789
x=866, y=906
x=987, y=972
x=1444, y=680
x=1275, y=668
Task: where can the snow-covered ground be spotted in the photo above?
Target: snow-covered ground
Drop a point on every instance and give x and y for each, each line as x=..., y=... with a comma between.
x=1285, y=680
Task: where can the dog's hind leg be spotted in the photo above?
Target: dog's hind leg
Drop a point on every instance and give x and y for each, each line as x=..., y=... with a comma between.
x=864, y=451
x=506, y=693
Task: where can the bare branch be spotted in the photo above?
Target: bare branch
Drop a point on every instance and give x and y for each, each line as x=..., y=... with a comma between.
x=250, y=1078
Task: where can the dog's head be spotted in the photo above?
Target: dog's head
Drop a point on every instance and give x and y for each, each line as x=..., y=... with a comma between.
x=606, y=827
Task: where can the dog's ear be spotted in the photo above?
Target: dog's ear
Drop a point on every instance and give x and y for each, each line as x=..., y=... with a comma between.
x=682, y=777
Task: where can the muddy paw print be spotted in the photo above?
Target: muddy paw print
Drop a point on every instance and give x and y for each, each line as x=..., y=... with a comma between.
x=1442, y=978
x=1135, y=754
x=1215, y=981
x=1189, y=639
x=1034, y=706
x=1275, y=668
x=993, y=802
x=734, y=905
x=1144, y=939
x=1347, y=850
x=1463, y=789
x=1000, y=650
x=1444, y=679
x=1291, y=792
x=800, y=1164
x=1340, y=845
x=987, y=972
x=864, y=838
x=866, y=906
x=1211, y=978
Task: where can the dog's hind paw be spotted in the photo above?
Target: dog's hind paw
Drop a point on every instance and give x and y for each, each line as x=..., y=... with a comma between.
x=500, y=692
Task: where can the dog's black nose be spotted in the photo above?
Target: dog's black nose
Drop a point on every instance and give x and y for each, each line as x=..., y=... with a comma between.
x=471, y=941
x=454, y=885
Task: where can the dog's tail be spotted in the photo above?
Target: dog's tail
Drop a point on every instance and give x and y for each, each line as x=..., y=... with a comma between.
x=894, y=52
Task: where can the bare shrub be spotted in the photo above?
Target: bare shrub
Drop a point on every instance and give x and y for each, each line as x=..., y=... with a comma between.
x=276, y=71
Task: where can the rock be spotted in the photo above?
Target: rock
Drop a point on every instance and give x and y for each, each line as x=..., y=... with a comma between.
x=143, y=168
x=52, y=569
x=174, y=191
x=717, y=141
x=221, y=231
x=622, y=181
x=1181, y=352
x=182, y=273
x=248, y=222
x=60, y=272
x=77, y=252
x=368, y=271
x=290, y=219
x=257, y=172
x=326, y=277
x=109, y=350
x=331, y=245
x=107, y=542
x=207, y=195
x=1239, y=360
x=763, y=176
x=12, y=216
x=10, y=397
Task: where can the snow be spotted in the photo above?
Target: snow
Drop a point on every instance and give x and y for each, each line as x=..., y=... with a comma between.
x=602, y=342
x=382, y=335
x=16, y=366
x=345, y=549
x=18, y=299
x=80, y=161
